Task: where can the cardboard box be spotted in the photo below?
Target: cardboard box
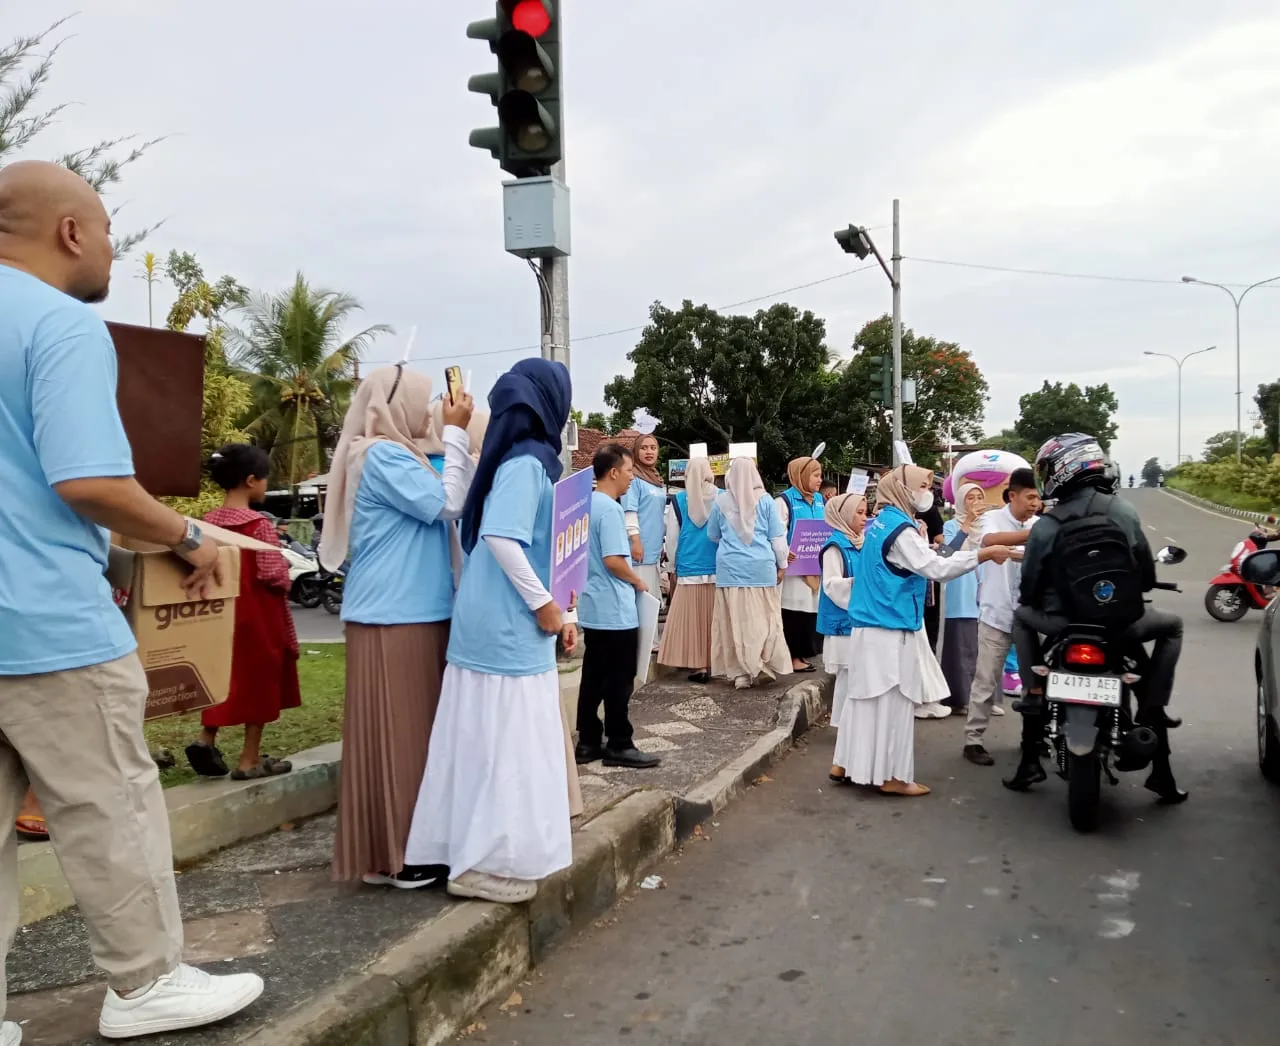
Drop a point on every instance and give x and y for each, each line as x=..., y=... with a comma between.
x=184, y=644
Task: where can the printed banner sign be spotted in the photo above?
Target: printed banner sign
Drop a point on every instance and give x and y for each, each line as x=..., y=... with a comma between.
x=677, y=467
x=858, y=483
x=806, y=542
x=571, y=520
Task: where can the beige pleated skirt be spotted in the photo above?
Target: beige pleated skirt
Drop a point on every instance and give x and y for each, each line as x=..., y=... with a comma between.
x=686, y=637
x=746, y=634
x=394, y=674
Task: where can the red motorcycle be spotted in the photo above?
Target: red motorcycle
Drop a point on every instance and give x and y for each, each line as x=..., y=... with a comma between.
x=1230, y=597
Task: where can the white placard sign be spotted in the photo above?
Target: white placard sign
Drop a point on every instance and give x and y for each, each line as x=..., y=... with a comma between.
x=742, y=450
x=858, y=483
x=698, y=450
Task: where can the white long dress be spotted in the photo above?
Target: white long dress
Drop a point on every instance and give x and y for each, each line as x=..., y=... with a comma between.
x=891, y=673
x=835, y=649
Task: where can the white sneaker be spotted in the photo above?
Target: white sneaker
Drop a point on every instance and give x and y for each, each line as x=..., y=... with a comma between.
x=997, y=709
x=185, y=998
x=10, y=1034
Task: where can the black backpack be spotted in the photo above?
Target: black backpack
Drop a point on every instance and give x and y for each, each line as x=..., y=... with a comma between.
x=1093, y=569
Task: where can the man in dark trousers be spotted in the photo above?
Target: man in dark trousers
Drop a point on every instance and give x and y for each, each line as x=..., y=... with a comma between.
x=610, y=622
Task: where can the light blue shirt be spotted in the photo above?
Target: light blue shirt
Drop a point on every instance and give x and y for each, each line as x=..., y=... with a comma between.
x=607, y=602
x=400, y=571
x=739, y=565
x=649, y=503
x=960, y=598
x=493, y=630
x=58, y=422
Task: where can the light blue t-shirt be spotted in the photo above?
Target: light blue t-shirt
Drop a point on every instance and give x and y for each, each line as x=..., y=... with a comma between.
x=400, y=572
x=58, y=422
x=746, y=566
x=960, y=598
x=607, y=602
x=649, y=503
x=493, y=630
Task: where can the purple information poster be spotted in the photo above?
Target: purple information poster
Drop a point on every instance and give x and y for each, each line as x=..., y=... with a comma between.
x=806, y=542
x=570, y=518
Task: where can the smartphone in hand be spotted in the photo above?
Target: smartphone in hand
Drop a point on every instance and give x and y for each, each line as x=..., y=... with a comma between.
x=453, y=382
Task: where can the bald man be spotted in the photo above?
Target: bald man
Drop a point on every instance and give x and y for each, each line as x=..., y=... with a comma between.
x=72, y=691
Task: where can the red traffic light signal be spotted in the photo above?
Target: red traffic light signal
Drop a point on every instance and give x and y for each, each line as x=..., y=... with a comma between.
x=532, y=17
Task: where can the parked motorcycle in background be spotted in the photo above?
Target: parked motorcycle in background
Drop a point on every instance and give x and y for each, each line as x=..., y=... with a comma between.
x=306, y=587
x=1230, y=597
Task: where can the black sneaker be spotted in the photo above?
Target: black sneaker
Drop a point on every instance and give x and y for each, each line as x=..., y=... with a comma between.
x=632, y=758
x=978, y=755
x=584, y=753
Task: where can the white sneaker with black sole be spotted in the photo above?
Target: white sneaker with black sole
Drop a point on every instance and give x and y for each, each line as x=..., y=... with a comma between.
x=10, y=1034
x=185, y=998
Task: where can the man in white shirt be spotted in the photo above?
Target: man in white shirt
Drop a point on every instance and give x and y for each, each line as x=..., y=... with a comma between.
x=997, y=599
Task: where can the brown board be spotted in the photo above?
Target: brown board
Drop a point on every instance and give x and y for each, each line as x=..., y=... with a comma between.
x=161, y=398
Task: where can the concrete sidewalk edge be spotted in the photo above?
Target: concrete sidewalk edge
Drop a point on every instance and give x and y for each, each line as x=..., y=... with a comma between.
x=430, y=985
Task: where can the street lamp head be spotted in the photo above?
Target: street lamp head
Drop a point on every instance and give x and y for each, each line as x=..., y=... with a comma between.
x=1189, y=279
x=1148, y=352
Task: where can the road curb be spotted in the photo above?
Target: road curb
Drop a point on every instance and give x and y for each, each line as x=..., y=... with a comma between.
x=428, y=986
x=1213, y=506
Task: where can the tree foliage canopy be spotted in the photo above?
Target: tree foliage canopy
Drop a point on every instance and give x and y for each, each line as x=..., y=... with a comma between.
x=1057, y=408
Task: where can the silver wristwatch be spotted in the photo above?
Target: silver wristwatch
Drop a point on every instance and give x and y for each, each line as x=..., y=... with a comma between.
x=192, y=540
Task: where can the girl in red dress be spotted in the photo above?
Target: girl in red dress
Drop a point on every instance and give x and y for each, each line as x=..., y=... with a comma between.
x=264, y=659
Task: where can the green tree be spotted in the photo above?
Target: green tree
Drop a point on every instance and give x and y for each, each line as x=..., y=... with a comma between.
x=226, y=396
x=1008, y=439
x=1221, y=446
x=1268, y=401
x=1058, y=408
x=1152, y=473
x=730, y=379
x=293, y=351
x=951, y=393
x=26, y=65
x=597, y=420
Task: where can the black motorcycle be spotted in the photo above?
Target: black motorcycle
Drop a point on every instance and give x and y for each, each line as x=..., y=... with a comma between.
x=332, y=598
x=1090, y=702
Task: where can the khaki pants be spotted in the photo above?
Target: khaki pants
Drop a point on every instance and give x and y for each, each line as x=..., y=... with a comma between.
x=993, y=648
x=77, y=738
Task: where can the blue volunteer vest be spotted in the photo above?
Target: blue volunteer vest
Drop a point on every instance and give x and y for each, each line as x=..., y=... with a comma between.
x=798, y=508
x=695, y=552
x=886, y=596
x=832, y=621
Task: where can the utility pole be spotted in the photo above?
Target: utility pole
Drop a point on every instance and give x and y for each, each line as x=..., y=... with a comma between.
x=555, y=324
x=896, y=280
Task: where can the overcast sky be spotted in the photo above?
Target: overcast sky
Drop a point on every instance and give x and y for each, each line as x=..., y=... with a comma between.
x=714, y=146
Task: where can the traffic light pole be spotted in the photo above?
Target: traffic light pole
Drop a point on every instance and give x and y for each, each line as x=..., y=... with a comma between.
x=555, y=324
x=896, y=280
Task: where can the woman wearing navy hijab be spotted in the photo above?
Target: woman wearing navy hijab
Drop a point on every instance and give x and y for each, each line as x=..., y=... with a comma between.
x=493, y=805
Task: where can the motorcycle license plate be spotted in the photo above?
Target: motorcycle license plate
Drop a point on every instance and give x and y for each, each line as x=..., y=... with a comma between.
x=1084, y=690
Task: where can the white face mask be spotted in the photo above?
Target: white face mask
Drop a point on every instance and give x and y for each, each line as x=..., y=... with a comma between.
x=924, y=500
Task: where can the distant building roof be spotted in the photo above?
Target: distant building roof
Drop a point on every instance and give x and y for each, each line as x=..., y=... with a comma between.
x=589, y=441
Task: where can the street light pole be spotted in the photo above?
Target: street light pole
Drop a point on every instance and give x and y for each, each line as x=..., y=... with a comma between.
x=896, y=280
x=1177, y=461
x=1236, y=300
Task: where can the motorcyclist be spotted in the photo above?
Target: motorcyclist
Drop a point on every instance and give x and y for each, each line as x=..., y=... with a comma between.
x=1073, y=470
x=1263, y=534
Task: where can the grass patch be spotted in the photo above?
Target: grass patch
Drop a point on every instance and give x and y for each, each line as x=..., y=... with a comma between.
x=1222, y=496
x=322, y=673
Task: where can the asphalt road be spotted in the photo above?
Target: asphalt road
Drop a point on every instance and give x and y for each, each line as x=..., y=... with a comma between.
x=317, y=626
x=973, y=916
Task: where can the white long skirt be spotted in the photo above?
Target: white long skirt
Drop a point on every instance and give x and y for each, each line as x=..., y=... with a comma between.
x=876, y=739
x=841, y=692
x=493, y=798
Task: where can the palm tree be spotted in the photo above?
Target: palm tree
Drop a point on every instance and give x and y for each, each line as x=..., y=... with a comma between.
x=151, y=276
x=294, y=353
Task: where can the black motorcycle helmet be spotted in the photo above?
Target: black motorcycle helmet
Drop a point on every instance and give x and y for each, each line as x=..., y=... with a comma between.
x=1066, y=463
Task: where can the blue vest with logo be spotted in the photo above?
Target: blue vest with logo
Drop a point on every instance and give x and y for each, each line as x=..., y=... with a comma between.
x=695, y=552
x=798, y=508
x=832, y=621
x=886, y=596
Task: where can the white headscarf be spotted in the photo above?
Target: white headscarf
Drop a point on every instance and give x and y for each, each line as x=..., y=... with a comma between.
x=743, y=490
x=700, y=489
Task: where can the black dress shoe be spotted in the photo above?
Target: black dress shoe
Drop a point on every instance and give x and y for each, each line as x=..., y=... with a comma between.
x=1167, y=791
x=632, y=758
x=587, y=753
x=1029, y=773
x=1158, y=717
x=978, y=755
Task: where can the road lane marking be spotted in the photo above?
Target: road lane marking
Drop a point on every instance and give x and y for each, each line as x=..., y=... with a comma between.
x=1201, y=508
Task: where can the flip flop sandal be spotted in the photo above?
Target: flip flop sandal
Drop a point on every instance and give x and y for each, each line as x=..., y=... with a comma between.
x=206, y=760
x=275, y=767
x=32, y=828
x=801, y=671
x=252, y=774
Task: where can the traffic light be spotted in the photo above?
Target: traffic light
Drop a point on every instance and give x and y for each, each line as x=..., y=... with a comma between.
x=881, y=380
x=854, y=240
x=525, y=38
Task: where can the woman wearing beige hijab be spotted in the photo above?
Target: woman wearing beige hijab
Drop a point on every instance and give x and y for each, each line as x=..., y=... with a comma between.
x=390, y=513
x=892, y=670
x=747, y=643
x=801, y=500
x=691, y=559
x=846, y=515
